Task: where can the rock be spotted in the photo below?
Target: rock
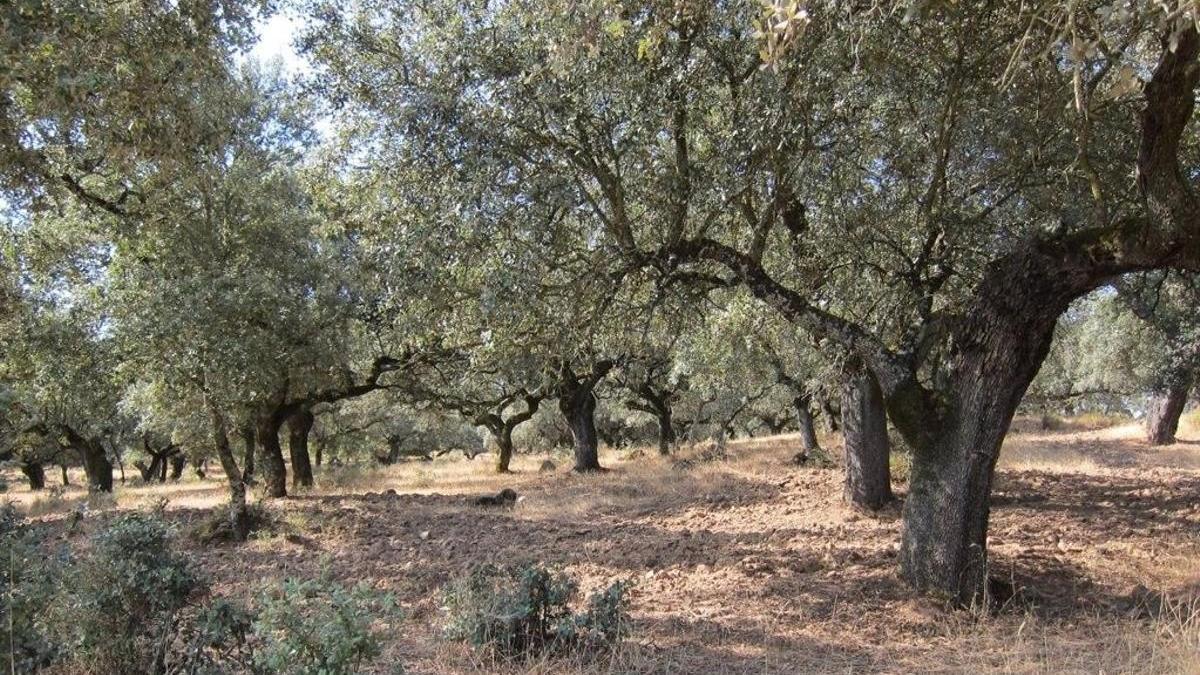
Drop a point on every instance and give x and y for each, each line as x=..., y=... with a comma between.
x=547, y=466
x=424, y=534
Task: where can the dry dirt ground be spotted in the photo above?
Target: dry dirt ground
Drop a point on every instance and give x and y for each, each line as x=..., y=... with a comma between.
x=750, y=565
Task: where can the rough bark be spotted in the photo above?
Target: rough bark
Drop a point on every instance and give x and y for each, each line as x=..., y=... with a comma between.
x=299, y=427
x=274, y=472
x=36, y=474
x=504, y=450
x=248, y=450
x=178, y=462
x=96, y=465
x=804, y=421
x=579, y=409
x=1166, y=407
x=864, y=426
x=666, y=432
x=239, y=515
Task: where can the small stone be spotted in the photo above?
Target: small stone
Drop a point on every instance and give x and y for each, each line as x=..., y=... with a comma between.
x=424, y=534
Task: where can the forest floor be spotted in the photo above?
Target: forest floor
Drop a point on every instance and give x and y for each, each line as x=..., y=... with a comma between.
x=752, y=565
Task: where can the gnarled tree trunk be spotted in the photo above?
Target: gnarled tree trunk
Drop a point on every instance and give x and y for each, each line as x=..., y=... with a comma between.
x=864, y=427
x=274, y=472
x=36, y=474
x=178, y=462
x=1166, y=407
x=579, y=408
x=666, y=432
x=804, y=421
x=298, y=427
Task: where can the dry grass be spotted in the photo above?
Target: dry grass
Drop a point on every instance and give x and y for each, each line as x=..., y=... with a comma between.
x=751, y=565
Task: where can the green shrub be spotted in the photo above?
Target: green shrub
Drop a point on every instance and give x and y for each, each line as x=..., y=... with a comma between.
x=317, y=627
x=27, y=580
x=526, y=611
x=118, y=613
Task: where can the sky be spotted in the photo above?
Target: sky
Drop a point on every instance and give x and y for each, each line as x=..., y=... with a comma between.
x=275, y=37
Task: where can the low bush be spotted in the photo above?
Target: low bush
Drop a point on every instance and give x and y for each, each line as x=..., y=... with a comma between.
x=317, y=627
x=515, y=612
x=26, y=581
x=118, y=613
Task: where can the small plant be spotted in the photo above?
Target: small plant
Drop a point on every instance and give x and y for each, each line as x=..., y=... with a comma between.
x=317, y=627
x=118, y=614
x=525, y=611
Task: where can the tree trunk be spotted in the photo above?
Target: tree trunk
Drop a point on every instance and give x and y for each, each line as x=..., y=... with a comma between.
x=178, y=462
x=96, y=466
x=273, y=469
x=298, y=427
x=248, y=454
x=579, y=409
x=804, y=420
x=504, y=449
x=864, y=427
x=319, y=451
x=666, y=432
x=1162, y=418
x=831, y=415
x=66, y=479
x=36, y=474
x=999, y=345
x=239, y=514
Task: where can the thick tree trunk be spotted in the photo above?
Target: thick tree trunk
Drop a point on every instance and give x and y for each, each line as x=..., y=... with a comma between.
x=1162, y=419
x=579, y=409
x=274, y=472
x=298, y=427
x=96, y=466
x=178, y=462
x=1000, y=344
x=804, y=420
x=36, y=474
x=864, y=427
x=504, y=449
x=248, y=449
x=239, y=514
x=666, y=432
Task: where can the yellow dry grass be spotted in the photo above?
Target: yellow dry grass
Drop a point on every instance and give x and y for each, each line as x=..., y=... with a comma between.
x=749, y=565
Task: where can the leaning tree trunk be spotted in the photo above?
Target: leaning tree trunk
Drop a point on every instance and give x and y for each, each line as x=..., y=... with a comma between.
x=804, y=420
x=36, y=474
x=579, y=409
x=864, y=427
x=1162, y=419
x=248, y=454
x=273, y=469
x=298, y=428
x=999, y=345
x=239, y=514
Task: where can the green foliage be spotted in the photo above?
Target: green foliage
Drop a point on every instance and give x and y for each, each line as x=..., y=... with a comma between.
x=318, y=627
x=118, y=613
x=516, y=612
x=25, y=583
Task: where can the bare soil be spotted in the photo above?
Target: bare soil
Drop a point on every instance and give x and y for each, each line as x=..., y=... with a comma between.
x=751, y=565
